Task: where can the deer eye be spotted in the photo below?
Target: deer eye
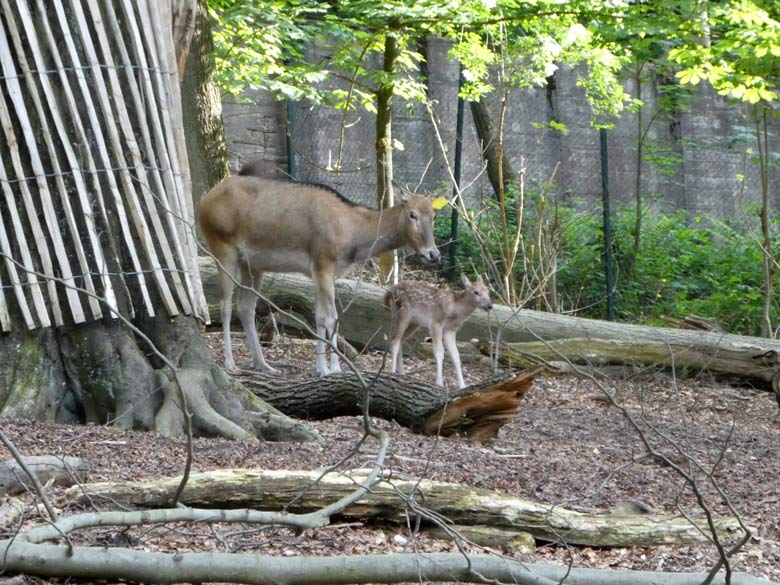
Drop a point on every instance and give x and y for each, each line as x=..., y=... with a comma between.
x=412, y=215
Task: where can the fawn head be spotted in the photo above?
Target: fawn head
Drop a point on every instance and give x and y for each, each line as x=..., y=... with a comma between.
x=478, y=290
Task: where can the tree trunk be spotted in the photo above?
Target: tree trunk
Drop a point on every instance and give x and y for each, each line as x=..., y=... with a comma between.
x=309, y=490
x=100, y=563
x=738, y=363
x=476, y=412
x=499, y=168
x=752, y=360
x=202, y=111
x=388, y=261
x=101, y=252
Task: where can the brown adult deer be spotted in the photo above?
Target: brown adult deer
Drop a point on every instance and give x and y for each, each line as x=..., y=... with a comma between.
x=256, y=224
x=442, y=311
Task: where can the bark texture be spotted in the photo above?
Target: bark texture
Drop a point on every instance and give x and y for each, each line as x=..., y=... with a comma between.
x=483, y=123
x=202, y=111
x=476, y=412
x=154, y=567
x=48, y=468
x=101, y=373
x=302, y=491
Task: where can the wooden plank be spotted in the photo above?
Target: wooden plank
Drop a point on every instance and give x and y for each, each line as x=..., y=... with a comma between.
x=161, y=16
x=29, y=134
x=150, y=199
x=156, y=19
x=32, y=217
x=64, y=144
x=85, y=155
x=157, y=111
x=5, y=317
x=110, y=128
x=98, y=139
x=26, y=263
x=10, y=265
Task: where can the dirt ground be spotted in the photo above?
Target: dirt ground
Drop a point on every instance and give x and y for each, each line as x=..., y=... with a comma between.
x=567, y=446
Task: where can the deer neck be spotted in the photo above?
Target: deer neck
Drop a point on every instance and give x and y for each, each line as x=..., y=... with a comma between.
x=378, y=232
x=463, y=304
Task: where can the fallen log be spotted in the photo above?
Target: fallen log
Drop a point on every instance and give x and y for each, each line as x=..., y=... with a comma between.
x=511, y=541
x=48, y=468
x=724, y=362
x=392, y=499
x=364, y=322
x=476, y=412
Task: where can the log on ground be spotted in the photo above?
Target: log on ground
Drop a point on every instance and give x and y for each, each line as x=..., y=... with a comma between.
x=364, y=322
x=393, y=499
x=476, y=412
x=728, y=362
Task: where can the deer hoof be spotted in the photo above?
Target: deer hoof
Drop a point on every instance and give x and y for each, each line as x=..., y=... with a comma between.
x=266, y=368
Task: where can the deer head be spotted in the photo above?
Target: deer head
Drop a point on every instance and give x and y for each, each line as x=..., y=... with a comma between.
x=415, y=224
x=478, y=291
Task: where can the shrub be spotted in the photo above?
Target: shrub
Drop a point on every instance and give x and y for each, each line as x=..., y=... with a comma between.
x=686, y=266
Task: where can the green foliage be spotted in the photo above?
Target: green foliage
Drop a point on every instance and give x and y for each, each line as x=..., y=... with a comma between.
x=741, y=55
x=704, y=268
x=266, y=44
x=685, y=267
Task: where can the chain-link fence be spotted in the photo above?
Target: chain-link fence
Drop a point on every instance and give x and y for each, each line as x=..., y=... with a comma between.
x=700, y=159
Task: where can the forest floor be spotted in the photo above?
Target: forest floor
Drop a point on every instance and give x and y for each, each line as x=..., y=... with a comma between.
x=567, y=446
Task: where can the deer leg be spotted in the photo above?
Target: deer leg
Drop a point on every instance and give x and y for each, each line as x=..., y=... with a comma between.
x=452, y=349
x=409, y=331
x=396, y=355
x=246, y=305
x=326, y=317
x=438, y=352
x=227, y=277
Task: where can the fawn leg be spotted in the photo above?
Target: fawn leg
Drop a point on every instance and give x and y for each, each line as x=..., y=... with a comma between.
x=438, y=352
x=399, y=333
x=452, y=348
x=410, y=329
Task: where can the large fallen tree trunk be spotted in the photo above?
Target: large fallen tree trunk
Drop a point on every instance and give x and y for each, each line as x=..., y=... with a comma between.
x=393, y=499
x=158, y=567
x=760, y=370
x=364, y=322
x=476, y=412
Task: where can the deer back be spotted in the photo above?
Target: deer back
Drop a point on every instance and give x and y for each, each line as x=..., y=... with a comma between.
x=286, y=226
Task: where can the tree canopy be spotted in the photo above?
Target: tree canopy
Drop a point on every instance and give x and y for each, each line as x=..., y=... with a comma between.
x=298, y=49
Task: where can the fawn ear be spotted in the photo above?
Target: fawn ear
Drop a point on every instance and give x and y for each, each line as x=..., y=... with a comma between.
x=465, y=280
x=479, y=279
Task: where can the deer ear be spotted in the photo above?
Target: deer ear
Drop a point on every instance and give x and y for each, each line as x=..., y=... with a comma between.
x=465, y=280
x=479, y=279
x=400, y=193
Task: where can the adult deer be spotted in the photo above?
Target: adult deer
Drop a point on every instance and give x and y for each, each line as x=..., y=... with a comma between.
x=442, y=311
x=255, y=224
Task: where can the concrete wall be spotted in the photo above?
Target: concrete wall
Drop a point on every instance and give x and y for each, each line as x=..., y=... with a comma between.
x=706, y=138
